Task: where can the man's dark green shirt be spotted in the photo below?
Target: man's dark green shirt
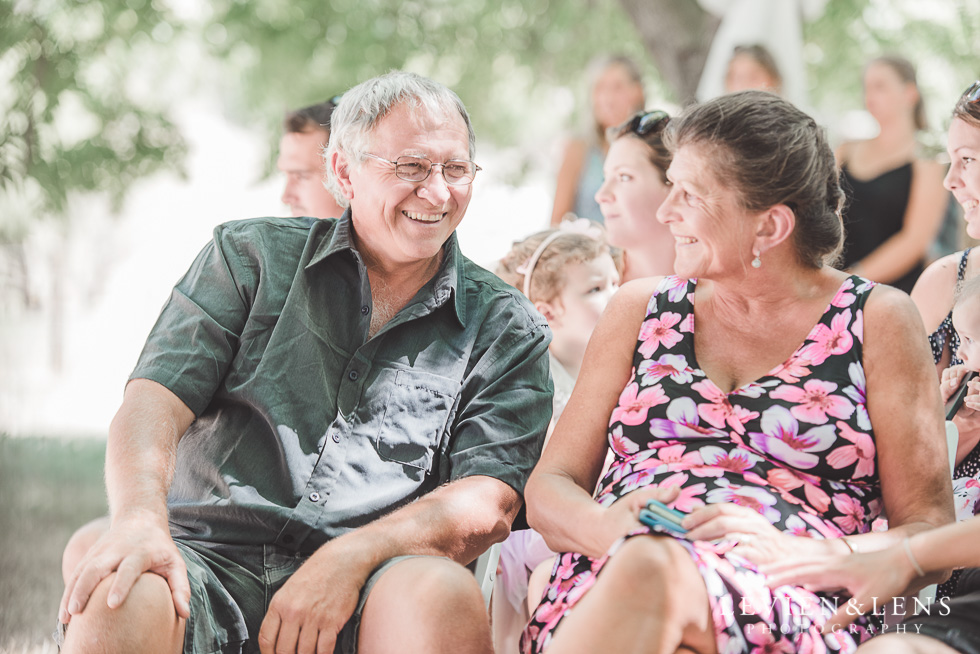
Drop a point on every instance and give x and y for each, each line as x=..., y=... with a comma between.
x=305, y=427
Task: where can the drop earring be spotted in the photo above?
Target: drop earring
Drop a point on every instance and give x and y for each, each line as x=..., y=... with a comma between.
x=757, y=262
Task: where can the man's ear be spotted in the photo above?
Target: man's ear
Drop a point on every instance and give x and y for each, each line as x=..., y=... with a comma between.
x=340, y=166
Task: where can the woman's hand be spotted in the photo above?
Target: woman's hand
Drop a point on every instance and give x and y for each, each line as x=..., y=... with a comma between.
x=967, y=419
x=623, y=516
x=758, y=540
x=872, y=579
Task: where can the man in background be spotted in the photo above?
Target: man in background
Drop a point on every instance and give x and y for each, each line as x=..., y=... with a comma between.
x=306, y=133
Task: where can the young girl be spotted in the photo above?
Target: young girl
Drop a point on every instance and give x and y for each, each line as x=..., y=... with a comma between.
x=569, y=273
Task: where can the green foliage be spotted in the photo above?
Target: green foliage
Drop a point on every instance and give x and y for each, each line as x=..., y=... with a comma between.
x=505, y=58
x=77, y=111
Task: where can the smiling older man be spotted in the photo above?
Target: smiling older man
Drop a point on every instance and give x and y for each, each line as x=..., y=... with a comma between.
x=327, y=420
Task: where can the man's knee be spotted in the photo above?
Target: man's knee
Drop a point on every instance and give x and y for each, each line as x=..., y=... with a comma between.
x=425, y=602
x=427, y=584
x=79, y=544
x=146, y=621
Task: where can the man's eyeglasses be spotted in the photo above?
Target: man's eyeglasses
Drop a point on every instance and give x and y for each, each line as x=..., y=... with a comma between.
x=457, y=172
x=972, y=94
x=647, y=121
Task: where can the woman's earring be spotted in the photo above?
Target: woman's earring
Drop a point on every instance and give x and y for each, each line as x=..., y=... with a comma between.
x=757, y=262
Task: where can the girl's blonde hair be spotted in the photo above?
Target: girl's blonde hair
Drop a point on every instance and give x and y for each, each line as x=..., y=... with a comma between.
x=566, y=246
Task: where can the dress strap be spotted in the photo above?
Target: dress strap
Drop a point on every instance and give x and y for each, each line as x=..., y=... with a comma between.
x=961, y=270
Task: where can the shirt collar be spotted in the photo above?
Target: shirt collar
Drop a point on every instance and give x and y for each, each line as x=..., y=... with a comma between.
x=446, y=284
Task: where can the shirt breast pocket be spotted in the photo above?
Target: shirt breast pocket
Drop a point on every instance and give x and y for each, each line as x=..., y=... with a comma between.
x=417, y=411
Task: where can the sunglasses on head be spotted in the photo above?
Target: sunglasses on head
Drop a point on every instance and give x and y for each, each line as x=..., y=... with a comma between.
x=972, y=94
x=645, y=122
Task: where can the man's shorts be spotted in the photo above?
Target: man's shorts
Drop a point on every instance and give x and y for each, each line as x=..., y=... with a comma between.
x=231, y=587
x=958, y=625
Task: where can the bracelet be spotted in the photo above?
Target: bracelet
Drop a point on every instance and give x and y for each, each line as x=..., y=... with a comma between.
x=908, y=552
x=848, y=543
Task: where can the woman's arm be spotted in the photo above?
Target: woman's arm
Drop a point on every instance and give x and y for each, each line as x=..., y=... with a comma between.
x=933, y=297
x=905, y=407
x=568, y=176
x=922, y=220
x=559, y=492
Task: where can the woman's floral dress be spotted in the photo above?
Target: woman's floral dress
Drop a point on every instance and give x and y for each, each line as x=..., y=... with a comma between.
x=796, y=445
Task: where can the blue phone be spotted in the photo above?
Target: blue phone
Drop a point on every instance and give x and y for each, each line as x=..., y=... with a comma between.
x=658, y=514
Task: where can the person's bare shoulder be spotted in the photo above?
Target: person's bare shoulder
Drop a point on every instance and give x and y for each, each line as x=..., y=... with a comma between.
x=933, y=292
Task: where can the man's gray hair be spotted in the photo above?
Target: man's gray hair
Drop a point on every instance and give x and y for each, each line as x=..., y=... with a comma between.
x=363, y=106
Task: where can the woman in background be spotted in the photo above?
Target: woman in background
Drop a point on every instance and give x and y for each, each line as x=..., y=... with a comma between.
x=616, y=93
x=635, y=185
x=753, y=67
x=895, y=199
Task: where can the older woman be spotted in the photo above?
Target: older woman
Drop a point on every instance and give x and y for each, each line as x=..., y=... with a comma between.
x=634, y=186
x=769, y=396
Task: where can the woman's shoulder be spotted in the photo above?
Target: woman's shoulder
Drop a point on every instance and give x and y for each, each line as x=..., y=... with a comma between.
x=934, y=290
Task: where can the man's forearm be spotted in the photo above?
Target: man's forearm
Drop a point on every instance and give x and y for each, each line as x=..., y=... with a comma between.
x=142, y=448
x=458, y=521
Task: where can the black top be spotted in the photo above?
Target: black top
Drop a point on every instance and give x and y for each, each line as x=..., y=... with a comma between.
x=875, y=211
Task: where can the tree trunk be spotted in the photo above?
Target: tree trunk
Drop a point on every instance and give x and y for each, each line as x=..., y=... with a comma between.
x=677, y=34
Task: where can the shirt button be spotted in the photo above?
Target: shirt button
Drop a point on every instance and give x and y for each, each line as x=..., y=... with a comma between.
x=336, y=437
x=314, y=496
x=365, y=310
x=352, y=375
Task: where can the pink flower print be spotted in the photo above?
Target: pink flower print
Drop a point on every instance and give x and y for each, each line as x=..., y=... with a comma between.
x=720, y=411
x=796, y=527
x=843, y=298
x=785, y=480
x=674, y=457
x=689, y=499
x=717, y=461
x=657, y=331
x=857, y=391
x=638, y=479
x=752, y=497
x=863, y=451
x=857, y=328
x=687, y=325
x=622, y=446
x=795, y=368
x=780, y=438
x=761, y=635
x=852, y=510
x=634, y=404
x=669, y=365
x=675, y=287
x=814, y=401
x=827, y=341
x=682, y=423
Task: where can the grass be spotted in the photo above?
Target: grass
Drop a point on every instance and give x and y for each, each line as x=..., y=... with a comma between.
x=48, y=488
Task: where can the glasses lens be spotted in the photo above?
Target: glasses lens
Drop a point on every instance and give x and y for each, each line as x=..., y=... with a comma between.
x=457, y=171
x=973, y=93
x=412, y=169
x=646, y=123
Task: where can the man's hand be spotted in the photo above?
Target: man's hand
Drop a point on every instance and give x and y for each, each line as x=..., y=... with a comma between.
x=131, y=547
x=311, y=608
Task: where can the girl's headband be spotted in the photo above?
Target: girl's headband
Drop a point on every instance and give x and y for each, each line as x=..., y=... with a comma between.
x=582, y=226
